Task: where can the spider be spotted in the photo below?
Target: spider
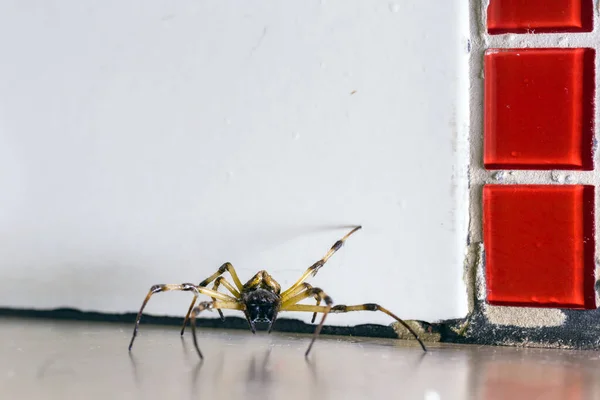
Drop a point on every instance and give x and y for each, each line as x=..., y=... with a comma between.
x=261, y=298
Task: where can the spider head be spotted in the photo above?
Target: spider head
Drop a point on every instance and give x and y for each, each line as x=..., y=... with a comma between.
x=261, y=306
x=261, y=312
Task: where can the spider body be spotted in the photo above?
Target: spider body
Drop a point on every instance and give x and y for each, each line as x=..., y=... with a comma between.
x=261, y=304
x=261, y=298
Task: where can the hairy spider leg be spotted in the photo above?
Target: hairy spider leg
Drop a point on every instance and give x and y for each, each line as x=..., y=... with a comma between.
x=222, y=281
x=313, y=269
x=184, y=287
x=299, y=289
x=263, y=278
x=290, y=305
x=208, y=305
x=226, y=267
x=343, y=309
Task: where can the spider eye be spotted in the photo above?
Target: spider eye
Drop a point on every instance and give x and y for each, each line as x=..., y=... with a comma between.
x=260, y=312
x=267, y=312
x=253, y=311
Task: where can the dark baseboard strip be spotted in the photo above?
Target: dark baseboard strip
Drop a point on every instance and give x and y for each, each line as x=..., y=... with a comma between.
x=281, y=325
x=581, y=329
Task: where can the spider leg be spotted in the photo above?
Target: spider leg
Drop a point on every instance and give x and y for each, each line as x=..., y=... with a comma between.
x=290, y=305
x=299, y=289
x=263, y=278
x=221, y=281
x=313, y=269
x=343, y=309
x=184, y=287
x=209, y=305
x=308, y=291
x=227, y=267
x=312, y=320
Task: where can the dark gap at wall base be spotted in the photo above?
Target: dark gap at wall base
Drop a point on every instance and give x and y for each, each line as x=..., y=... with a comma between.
x=581, y=329
x=281, y=325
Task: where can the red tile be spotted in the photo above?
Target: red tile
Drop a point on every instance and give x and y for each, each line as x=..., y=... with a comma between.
x=539, y=108
x=538, y=16
x=539, y=245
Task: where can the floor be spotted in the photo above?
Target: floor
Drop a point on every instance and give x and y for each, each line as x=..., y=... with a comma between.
x=66, y=360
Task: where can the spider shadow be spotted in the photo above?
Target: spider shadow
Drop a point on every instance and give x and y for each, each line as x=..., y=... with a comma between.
x=258, y=372
x=259, y=376
x=198, y=372
x=134, y=370
x=312, y=368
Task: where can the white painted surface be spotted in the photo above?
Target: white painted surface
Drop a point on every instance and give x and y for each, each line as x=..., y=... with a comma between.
x=148, y=142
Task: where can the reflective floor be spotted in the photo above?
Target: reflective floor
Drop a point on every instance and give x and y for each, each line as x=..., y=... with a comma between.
x=65, y=360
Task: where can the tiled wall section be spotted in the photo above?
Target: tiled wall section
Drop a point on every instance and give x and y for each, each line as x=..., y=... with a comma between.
x=539, y=115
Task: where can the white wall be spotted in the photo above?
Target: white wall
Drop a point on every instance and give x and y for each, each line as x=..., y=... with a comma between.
x=149, y=141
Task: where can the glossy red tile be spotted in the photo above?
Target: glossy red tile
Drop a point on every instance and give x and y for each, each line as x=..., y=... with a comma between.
x=539, y=108
x=539, y=16
x=539, y=245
